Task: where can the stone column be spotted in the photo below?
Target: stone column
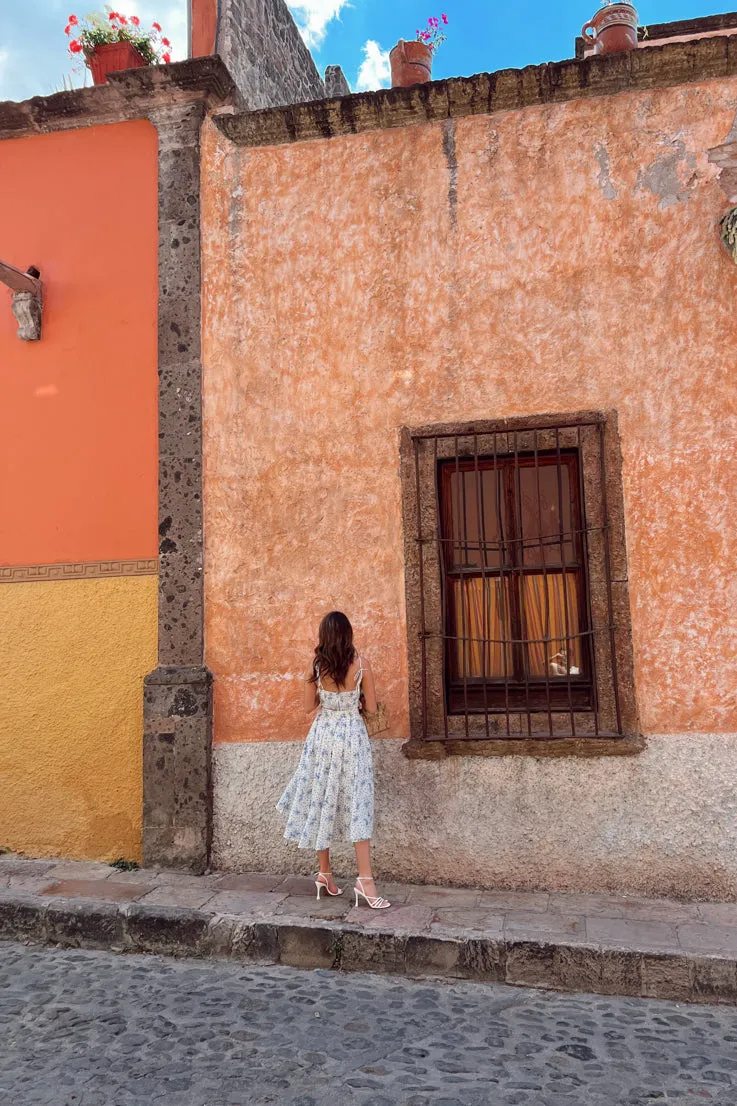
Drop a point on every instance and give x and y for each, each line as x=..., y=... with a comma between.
x=177, y=790
x=335, y=82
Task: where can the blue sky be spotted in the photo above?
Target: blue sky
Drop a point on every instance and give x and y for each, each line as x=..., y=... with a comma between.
x=355, y=34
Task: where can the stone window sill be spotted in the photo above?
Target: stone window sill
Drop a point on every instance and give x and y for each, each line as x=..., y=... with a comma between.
x=565, y=747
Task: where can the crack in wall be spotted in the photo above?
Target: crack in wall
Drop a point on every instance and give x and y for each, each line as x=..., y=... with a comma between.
x=449, y=149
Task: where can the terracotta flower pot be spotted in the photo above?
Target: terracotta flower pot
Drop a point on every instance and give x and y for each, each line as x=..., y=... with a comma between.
x=112, y=57
x=411, y=63
x=614, y=29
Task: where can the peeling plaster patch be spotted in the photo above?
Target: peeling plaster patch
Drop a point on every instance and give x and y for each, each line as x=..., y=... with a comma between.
x=492, y=145
x=670, y=176
x=449, y=149
x=605, y=184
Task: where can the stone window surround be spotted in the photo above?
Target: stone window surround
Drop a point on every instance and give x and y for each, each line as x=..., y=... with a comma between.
x=579, y=425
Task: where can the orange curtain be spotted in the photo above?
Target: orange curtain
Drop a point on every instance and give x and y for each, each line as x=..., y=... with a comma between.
x=544, y=603
x=483, y=623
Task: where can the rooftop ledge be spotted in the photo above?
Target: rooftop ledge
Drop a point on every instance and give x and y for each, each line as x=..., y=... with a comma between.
x=144, y=93
x=132, y=94
x=676, y=63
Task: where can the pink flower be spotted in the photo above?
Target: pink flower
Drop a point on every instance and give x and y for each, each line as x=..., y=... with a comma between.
x=444, y=18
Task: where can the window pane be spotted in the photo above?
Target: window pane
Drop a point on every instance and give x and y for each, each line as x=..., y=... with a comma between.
x=541, y=526
x=482, y=619
x=474, y=500
x=544, y=621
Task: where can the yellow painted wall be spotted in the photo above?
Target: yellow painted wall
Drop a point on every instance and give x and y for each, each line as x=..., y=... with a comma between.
x=73, y=656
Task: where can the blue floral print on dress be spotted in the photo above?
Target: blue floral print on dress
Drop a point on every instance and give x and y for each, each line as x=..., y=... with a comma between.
x=331, y=795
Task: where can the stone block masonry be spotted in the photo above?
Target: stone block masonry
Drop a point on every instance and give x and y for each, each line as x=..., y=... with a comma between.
x=602, y=944
x=335, y=82
x=259, y=42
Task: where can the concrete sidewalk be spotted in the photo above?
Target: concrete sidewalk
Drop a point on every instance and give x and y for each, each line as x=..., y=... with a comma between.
x=602, y=944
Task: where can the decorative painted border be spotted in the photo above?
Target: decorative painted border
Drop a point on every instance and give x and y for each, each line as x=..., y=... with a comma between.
x=78, y=570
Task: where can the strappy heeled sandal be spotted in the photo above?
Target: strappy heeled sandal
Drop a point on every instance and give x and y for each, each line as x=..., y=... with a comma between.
x=376, y=904
x=322, y=880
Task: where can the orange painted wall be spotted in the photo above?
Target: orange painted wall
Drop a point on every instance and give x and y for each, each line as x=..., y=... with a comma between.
x=204, y=27
x=555, y=258
x=78, y=417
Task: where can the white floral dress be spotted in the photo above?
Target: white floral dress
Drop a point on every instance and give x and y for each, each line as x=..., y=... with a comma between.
x=331, y=795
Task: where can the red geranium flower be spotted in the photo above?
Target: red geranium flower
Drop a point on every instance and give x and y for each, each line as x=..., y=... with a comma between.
x=135, y=21
x=166, y=58
x=156, y=26
x=68, y=29
x=113, y=16
x=165, y=42
x=73, y=21
x=75, y=47
x=122, y=20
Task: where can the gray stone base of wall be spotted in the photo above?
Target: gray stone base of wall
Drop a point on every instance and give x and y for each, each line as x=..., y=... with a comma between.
x=662, y=823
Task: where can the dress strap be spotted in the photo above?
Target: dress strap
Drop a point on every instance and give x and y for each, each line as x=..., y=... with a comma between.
x=359, y=674
x=317, y=673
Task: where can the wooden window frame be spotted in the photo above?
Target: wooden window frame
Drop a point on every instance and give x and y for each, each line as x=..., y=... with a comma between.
x=607, y=712
x=518, y=689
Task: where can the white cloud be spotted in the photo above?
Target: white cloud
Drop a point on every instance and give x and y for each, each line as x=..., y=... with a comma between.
x=312, y=18
x=375, y=71
x=172, y=16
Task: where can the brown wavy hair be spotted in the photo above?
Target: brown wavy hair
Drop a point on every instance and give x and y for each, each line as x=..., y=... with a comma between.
x=334, y=652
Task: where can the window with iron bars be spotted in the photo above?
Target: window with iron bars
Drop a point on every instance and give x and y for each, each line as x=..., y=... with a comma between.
x=518, y=627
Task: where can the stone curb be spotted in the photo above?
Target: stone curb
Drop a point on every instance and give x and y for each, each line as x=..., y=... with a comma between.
x=304, y=943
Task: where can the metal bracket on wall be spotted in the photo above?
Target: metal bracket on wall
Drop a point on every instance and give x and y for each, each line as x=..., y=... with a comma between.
x=725, y=158
x=27, y=303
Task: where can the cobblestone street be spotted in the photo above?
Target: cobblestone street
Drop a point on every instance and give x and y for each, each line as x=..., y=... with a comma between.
x=82, y=1028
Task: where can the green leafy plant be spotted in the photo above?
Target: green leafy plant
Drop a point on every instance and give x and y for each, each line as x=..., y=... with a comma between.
x=103, y=28
x=124, y=865
x=336, y=948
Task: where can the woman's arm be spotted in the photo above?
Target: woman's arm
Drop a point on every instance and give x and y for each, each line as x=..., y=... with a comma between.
x=310, y=697
x=368, y=687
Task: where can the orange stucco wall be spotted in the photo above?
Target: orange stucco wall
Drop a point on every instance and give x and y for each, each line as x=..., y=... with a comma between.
x=555, y=258
x=204, y=27
x=78, y=441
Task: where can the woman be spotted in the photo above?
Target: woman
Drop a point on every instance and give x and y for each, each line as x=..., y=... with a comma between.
x=331, y=795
